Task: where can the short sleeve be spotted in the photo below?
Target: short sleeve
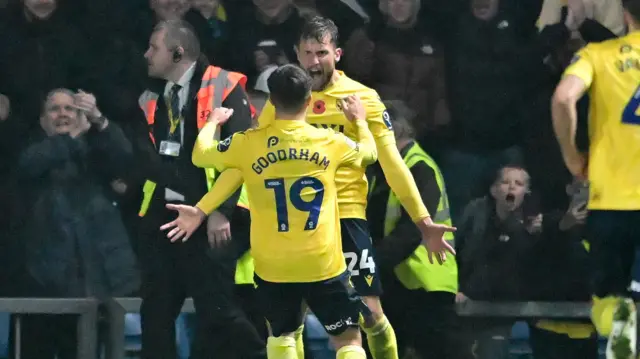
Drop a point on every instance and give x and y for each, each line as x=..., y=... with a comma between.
x=582, y=66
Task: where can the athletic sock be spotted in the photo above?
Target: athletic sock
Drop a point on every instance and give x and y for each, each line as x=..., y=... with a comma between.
x=351, y=352
x=281, y=348
x=382, y=340
x=297, y=335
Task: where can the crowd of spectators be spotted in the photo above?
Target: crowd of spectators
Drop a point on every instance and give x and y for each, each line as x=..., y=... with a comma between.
x=477, y=76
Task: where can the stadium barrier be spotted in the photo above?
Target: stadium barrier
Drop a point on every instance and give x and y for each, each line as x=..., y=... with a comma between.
x=117, y=308
x=85, y=308
x=524, y=310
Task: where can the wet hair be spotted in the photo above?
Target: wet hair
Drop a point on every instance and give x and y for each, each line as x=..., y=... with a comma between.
x=319, y=28
x=289, y=88
x=180, y=33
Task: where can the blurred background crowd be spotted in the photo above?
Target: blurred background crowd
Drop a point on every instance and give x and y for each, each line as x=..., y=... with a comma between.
x=469, y=80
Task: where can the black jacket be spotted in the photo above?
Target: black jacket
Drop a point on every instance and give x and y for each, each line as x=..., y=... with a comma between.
x=490, y=253
x=558, y=263
x=71, y=240
x=180, y=174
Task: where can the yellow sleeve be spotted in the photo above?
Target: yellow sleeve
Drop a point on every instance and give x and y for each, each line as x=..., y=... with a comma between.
x=361, y=153
x=267, y=115
x=209, y=153
x=378, y=118
x=401, y=181
x=582, y=66
x=225, y=185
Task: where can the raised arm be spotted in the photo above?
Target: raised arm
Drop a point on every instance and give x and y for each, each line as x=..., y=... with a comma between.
x=211, y=153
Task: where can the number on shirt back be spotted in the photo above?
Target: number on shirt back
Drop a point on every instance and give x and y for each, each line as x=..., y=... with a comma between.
x=630, y=113
x=295, y=196
x=366, y=262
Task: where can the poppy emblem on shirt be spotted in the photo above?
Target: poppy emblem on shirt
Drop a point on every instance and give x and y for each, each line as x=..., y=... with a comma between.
x=319, y=107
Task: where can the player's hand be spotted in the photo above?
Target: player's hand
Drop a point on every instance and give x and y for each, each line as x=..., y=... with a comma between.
x=220, y=115
x=433, y=239
x=189, y=219
x=576, y=163
x=218, y=229
x=353, y=108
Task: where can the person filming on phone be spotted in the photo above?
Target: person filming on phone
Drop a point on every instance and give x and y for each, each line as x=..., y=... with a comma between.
x=70, y=240
x=558, y=271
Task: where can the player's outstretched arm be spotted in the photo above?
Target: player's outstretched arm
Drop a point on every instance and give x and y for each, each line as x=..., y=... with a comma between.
x=404, y=186
x=206, y=151
x=402, y=183
x=355, y=112
x=225, y=185
x=188, y=221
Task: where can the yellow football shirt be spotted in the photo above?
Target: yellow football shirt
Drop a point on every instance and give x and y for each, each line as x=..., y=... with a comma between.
x=289, y=170
x=611, y=71
x=325, y=112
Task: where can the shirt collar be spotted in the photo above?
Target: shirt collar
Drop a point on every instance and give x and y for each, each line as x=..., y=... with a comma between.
x=186, y=77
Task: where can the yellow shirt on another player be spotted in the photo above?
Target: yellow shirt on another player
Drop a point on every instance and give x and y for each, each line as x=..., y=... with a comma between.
x=325, y=112
x=289, y=170
x=611, y=70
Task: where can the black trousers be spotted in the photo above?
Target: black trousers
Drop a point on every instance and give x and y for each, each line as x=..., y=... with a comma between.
x=175, y=271
x=549, y=345
x=424, y=321
x=45, y=336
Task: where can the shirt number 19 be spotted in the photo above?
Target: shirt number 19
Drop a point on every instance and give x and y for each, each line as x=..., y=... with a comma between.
x=295, y=192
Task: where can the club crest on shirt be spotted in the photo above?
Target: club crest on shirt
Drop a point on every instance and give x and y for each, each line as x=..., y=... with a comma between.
x=223, y=145
x=386, y=118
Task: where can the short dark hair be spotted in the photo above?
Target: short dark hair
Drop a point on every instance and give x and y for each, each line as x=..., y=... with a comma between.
x=180, y=33
x=633, y=8
x=401, y=117
x=289, y=88
x=319, y=28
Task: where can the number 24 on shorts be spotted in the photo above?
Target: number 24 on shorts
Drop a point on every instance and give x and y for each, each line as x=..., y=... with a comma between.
x=366, y=262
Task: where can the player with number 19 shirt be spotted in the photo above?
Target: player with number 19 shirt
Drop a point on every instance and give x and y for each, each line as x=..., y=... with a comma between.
x=288, y=169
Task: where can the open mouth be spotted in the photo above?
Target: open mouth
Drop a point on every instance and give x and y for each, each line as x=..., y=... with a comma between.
x=510, y=198
x=315, y=72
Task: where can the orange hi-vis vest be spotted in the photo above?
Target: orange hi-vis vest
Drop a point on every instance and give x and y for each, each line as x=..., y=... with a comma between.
x=215, y=86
